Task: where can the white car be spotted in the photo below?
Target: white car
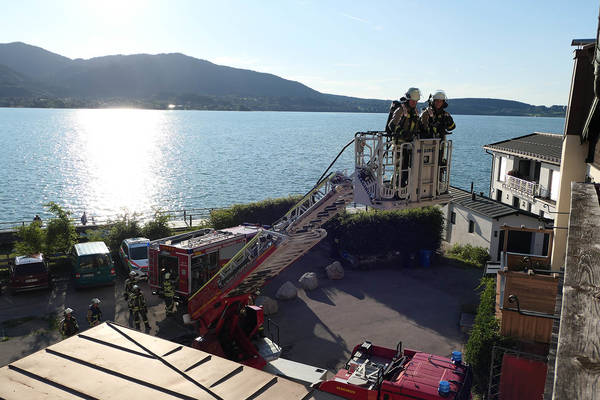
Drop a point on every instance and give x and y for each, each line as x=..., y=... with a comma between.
x=134, y=255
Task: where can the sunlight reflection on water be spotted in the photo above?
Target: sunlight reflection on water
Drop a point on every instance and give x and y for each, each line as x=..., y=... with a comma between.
x=117, y=155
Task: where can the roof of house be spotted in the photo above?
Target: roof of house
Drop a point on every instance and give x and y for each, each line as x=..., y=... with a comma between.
x=484, y=205
x=538, y=145
x=110, y=361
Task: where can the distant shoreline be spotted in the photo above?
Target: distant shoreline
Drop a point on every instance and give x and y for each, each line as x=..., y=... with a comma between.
x=137, y=107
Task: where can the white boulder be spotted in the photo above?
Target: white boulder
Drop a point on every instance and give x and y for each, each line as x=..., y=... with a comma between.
x=335, y=270
x=268, y=304
x=287, y=291
x=309, y=281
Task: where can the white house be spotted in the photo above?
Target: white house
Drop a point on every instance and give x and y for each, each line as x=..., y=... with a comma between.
x=477, y=220
x=526, y=172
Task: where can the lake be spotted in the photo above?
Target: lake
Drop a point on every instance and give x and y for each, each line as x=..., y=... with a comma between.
x=111, y=161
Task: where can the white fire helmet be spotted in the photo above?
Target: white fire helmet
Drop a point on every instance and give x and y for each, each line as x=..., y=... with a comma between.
x=95, y=300
x=413, y=93
x=132, y=274
x=68, y=311
x=439, y=95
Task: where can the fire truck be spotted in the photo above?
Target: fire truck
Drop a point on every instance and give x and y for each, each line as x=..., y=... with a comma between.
x=218, y=272
x=380, y=373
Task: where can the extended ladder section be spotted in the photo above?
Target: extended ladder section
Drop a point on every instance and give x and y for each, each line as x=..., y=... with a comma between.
x=322, y=203
x=393, y=174
x=270, y=251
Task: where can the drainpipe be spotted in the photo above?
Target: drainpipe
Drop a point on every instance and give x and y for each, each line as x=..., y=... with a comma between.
x=491, y=174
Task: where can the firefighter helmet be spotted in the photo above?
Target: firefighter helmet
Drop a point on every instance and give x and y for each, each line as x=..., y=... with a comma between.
x=413, y=93
x=95, y=300
x=439, y=95
x=132, y=274
x=68, y=311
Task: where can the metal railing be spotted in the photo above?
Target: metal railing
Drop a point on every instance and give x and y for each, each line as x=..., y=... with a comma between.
x=528, y=188
x=190, y=216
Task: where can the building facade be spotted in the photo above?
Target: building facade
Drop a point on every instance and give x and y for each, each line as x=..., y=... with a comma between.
x=526, y=172
x=477, y=220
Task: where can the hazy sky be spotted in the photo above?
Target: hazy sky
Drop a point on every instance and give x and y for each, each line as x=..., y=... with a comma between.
x=518, y=50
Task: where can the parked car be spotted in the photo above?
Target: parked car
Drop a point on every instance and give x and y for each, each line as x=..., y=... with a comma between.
x=28, y=273
x=134, y=256
x=92, y=264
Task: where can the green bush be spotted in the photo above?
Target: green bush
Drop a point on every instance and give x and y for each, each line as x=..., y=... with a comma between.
x=471, y=254
x=31, y=239
x=126, y=227
x=158, y=227
x=485, y=334
x=263, y=212
x=60, y=231
x=379, y=232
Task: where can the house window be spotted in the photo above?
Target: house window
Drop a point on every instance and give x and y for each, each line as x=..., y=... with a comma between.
x=528, y=206
x=516, y=202
x=554, y=184
x=495, y=233
x=453, y=217
x=502, y=169
x=499, y=195
x=541, y=213
x=471, y=226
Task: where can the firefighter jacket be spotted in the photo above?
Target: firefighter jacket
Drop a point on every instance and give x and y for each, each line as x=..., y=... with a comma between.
x=137, y=302
x=68, y=326
x=94, y=315
x=405, y=123
x=168, y=289
x=129, y=282
x=437, y=123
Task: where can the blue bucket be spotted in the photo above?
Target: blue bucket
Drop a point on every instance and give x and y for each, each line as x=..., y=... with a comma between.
x=425, y=258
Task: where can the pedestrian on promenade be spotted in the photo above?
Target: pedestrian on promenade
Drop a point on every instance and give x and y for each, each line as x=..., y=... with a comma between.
x=84, y=219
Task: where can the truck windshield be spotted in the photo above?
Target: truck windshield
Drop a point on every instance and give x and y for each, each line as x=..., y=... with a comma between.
x=30, y=269
x=94, y=261
x=138, y=253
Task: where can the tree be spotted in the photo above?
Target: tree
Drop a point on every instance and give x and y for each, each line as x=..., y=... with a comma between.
x=31, y=239
x=158, y=227
x=60, y=231
x=127, y=226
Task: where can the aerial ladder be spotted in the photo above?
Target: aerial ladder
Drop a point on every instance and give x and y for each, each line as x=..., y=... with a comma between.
x=222, y=309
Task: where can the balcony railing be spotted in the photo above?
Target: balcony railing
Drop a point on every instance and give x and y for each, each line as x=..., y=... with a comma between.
x=522, y=186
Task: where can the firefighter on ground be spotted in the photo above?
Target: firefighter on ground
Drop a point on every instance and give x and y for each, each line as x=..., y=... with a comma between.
x=169, y=293
x=404, y=125
x=94, y=314
x=68, y=326
x=137, y=306
x=129, y=283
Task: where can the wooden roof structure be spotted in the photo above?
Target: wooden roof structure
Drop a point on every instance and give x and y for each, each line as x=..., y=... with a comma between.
x=577, y=370
x=111, y=361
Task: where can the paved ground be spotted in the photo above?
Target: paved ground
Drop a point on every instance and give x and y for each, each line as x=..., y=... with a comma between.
x=420, y=307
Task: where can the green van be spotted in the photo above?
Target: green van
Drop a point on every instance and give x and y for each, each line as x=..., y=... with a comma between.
x=92, y=264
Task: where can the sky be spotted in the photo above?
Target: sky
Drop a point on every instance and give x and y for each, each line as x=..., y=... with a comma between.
x=516, y=50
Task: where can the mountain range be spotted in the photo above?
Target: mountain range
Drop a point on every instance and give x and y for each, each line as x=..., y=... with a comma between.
x=33, y=77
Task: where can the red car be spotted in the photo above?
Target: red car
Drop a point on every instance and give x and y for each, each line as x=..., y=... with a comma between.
x=28, y=273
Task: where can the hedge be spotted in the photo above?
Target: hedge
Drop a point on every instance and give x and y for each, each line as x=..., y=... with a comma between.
x=379, y=232
x=474, y=255
x=484, y=336
x=262, y=212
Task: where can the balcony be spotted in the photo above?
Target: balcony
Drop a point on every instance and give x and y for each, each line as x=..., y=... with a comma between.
x=522, y=186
